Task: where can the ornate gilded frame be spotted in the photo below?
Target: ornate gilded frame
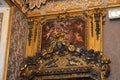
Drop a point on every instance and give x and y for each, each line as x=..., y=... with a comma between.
x=93, y=37
x=42, y=58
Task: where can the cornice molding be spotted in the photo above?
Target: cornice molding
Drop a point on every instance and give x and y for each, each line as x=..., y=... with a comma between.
x=48, y=7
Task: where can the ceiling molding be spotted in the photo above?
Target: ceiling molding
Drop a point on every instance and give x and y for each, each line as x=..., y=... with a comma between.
x=48, y=7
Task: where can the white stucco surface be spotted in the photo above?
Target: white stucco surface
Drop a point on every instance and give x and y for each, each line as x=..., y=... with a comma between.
x=4, y=31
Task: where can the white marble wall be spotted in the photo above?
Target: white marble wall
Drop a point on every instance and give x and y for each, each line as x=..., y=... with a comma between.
x=4, y=30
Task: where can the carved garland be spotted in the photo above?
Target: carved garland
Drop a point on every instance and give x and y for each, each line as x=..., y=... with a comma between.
x=63, y=58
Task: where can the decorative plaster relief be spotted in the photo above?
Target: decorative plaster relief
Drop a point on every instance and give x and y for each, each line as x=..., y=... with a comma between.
x=60, y=5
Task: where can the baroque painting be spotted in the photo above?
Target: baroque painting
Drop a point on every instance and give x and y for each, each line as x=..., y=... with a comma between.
x=73, y=29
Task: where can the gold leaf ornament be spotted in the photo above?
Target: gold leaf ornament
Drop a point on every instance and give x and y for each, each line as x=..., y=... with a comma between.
x=66, y=42
x=44, y=52
x=77, y=49
x=71, y=48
